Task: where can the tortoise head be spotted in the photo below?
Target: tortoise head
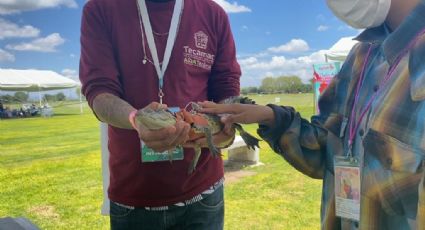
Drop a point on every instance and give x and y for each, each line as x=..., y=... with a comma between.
x=155, y=119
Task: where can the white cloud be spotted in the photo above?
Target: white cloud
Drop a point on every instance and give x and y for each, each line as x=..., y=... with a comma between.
x=11, y=30
x=6, y=56
x=70, y=73
x=248, y=61
x=256, y=66
x=295, y=45
x=47, y=44
x=322, y=28
x=232, y=7
x=245, y=28
x=17, y=6
x=254, y=69
x=278, y=62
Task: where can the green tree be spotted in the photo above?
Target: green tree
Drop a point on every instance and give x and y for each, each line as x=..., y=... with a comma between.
x=60, y=97
x=78, y=92
x=268, y=85
x=308, y=88
x=249, y=90
x=244, y=91
x=295, y=84
x=49, y=98
x=21, y=97
x=7, y=98
x=253, y=90
x=282, y=84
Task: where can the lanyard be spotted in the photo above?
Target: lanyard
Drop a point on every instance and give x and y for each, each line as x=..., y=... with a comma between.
x=354, y=125
x=175, y=21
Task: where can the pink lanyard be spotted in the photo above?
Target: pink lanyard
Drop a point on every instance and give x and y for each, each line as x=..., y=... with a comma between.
x=354, y=125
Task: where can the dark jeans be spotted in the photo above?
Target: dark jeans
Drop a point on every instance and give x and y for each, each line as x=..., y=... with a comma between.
x=207, y=214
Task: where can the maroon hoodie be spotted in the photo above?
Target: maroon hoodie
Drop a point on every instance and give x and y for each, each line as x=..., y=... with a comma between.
x=203, y=66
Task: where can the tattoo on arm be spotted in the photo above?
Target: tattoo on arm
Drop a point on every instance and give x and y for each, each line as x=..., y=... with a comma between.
x=112, y=110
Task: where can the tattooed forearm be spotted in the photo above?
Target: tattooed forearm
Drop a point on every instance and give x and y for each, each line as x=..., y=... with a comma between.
x=112, y=110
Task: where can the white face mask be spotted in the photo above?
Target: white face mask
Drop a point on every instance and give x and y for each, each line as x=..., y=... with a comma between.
x=361, y=14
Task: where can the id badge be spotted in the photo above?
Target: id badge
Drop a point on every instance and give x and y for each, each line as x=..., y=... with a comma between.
x=149, y=155
x=347, y=187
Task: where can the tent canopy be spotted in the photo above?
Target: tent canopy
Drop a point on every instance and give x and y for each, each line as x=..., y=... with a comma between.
x=33, y=80
x=339, y=51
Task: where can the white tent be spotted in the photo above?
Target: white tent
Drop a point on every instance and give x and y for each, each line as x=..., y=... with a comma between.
x=34, y=81
x=340, y=50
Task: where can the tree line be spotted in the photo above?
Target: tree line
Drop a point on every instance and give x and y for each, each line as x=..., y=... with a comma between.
x=20, y=97
x=283, y=84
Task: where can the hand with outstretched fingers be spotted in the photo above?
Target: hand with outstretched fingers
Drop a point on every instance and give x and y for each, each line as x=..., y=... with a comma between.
x=239, y=113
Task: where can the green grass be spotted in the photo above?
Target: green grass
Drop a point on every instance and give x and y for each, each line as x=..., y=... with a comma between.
x=50, y=173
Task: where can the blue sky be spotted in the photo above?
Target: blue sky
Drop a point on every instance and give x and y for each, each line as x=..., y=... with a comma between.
x=273, y=37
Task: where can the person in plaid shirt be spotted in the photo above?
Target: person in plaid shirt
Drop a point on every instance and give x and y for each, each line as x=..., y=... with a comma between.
x=373, y=111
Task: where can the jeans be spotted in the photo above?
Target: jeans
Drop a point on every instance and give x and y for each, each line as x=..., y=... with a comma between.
x=207, y=214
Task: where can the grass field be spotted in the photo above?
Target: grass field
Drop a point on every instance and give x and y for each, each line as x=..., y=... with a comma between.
x=50, y=173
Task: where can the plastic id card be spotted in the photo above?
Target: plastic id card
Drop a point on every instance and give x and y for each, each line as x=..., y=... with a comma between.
x=149, y=155
x=347, y=188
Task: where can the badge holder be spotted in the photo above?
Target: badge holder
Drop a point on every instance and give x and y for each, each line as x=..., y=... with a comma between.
x=347, y=187
x=149, y=155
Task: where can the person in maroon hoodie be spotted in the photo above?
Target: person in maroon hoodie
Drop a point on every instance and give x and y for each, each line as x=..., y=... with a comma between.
x=135, y=54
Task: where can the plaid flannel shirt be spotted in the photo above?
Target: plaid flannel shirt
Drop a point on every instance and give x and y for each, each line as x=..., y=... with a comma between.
x=390, y=140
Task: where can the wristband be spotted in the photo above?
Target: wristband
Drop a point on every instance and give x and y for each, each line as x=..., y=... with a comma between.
x=131, y=118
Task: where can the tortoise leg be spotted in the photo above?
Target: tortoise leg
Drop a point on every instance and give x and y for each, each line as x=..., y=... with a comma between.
x=250, y=140
x=194, y=162
x=214, y=150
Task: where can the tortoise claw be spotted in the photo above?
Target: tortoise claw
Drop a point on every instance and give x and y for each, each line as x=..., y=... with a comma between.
x=194, y=162
x=214, y=151
x=249, y=140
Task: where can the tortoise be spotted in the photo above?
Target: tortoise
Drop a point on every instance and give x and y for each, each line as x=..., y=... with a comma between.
x=202, y=125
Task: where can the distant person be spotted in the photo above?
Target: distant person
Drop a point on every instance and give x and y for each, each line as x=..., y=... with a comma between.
x=8, y=113
x=21, y=112
x=33, y=110
x=135, y=54
x=2, y=110
x=371, y=121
